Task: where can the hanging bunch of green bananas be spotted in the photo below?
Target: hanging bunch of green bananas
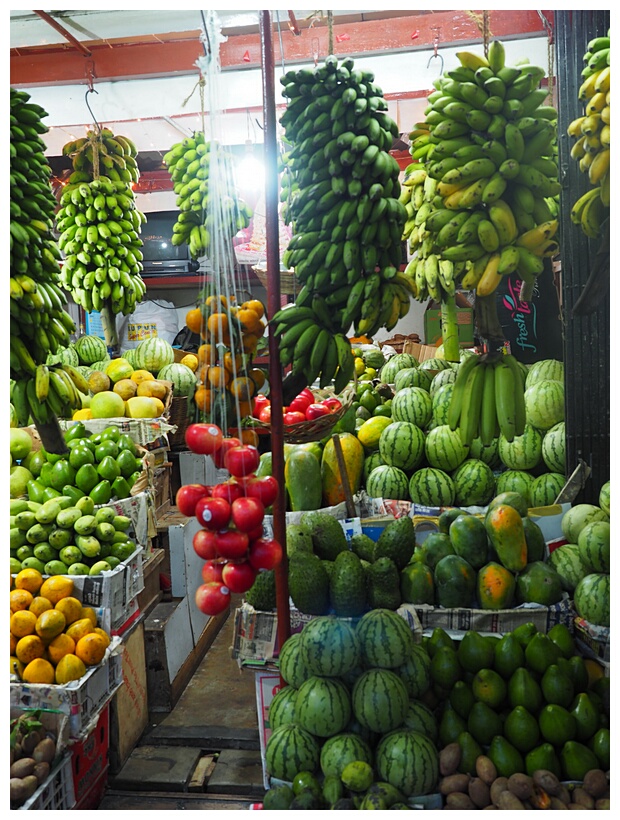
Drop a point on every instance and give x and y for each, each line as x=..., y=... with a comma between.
x=346, y=218
x=196, y=167
x=39, y=325
x=592, y=136
x=484, y=190
x=100, y=226
x=488, y=398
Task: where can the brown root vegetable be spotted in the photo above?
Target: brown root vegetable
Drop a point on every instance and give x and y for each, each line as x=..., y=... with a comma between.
x=17, y=791
x=581, y=796
x=557, y=804
x=564, y=795
x=595, y=783
x=23, y=767
x=479, y=792
x=30, y=742
x=485, y=769
x=547, y=781
x=459, y=800
x=540, y=799
x=454, y=783
x=449, y=759
x=31, y=784
x=41, y=771
x=508, y=801
x=44, y=751
x=602, y=803
x=521, y=785
x=499, y=785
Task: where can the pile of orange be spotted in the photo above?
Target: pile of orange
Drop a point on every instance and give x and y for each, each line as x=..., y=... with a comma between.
x=54, y=639
x=231, y=332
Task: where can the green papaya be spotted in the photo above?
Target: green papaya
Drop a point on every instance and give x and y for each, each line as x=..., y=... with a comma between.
x=302, y=476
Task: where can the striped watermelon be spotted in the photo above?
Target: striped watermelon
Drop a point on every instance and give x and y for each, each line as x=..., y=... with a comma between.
x=323, y=706
x=489, y=453
x=603, y=498
x=409, y=761
x=183, y=379
x=523, y=452
x=380, y=700
x=435, y=364
x=101, y=365
x=65, y=355
x=329, y=646
x=370, y=462
x=385, y=638
x=130, y=356
x=398, y=362
x=554, y=448
x=594, y=545
x=90, y=349
x=575, y=519
x=474, y=484
x=431, y=487
x=517, y=481
x=545, y=488
x=544, y=404
x=440, y=404
x=592, y=598
x=570, y=565
x=388, y=482
x=444, y=449
x=291, y=749
x=416, y=671
x=293, y=670
x=419, y=718
x=441, y=379
x=341, y=749
x=154, y=354
x=282, y=707
x=401, y=444
x=545, y=370
x=412, y=377
x=412, y=404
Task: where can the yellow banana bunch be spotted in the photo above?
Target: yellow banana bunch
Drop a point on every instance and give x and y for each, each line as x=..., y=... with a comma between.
x=592, y=135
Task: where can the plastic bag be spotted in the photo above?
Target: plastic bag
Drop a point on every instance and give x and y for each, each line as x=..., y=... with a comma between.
x=150, y=319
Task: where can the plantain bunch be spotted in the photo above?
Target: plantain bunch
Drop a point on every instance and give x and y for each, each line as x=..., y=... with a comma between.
x=482, y=194
x=192, y=163
x=39, y=324
x=592, y=135
x=340, y=192
x=100, y=226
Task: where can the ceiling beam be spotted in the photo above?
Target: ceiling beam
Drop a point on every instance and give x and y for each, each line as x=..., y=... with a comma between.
x=175, y=54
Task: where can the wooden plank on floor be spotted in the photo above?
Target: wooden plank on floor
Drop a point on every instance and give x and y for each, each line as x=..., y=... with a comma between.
x=201, y=774
x=157, y=768
x=208, y=738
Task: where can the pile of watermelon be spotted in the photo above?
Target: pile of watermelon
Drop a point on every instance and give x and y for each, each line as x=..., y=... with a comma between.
x=415, y=456
x=353, y=696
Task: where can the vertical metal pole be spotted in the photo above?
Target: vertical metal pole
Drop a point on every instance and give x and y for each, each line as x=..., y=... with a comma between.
x=273, y=305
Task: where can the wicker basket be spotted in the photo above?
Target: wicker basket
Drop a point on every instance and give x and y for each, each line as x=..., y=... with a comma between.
x=288, y=283
x=398, y=341
x=178, y=415
x=305, y=431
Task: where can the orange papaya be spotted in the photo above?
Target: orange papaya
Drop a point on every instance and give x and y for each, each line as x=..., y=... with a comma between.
x=353, y=452
x=496, y=586
x=504, y=527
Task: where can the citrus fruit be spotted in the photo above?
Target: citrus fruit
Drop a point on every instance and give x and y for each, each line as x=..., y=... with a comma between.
x=79, y=628
x=91, y=648
x=30, y=579
x=28, y=648
x=60, y=646
x=71, y=608
x=23, y=623
x=98, y=631
x=40, y=604
x=17, y=667
x=89, y=612
x=141, y=375
x=69, y=668
x=56, y=587
x=38, y=671
x=50, y=624
x=20, y=599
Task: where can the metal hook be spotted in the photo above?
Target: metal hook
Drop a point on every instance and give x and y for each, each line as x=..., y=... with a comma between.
x=440, y=58
x=435, y=53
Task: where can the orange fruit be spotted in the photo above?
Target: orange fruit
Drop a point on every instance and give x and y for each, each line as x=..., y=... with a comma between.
x=256, y=305
x=99, y=631
x=62, y=645
x=56, y=587
x=50, y=624
x=17, y=667
x=139, y=376
x=217, y=325
x=39, y=605
x=91, y=649
x=152, y=387
x=216, y=303
x=71, y=608
x=30, y=579
x=79, y=628
x=249, y=436
x=194, y=320
x=258, y=376
x=219, y=377
x=69, y=668
x=245, y=409
x=206, y=354
x=242, y=388
x=20, y=599
x=233, y=362
x=202, y=398
x=89, y=612
x=13, y=643
x=249, y=342
x=38, y=671
x=28, y=648
x=250, y=321
x=23, y=622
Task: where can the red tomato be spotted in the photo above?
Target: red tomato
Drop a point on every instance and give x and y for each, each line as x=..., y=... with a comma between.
x=238, y=577
x=204, y=544
x=213, y=513
x=212, y=571
x=188, y=495
x=265, y=553
x=264, y=488
x=242, y=460
x=247, y=513
x=300, y=403
x=232, y=544
x=308, y=394
x=264, y=414
x=212, y=598
x=293, y=417
x=203, y=438
x=219, y=456
x=230, y=490
x=257, y=533
x=332, y=403
x=260, y=402
x=315, y=411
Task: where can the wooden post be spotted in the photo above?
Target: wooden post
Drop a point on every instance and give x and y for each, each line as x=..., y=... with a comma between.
x=344, y=476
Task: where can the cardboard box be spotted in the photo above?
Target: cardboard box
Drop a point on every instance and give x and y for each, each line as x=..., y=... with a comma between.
x=89, y=763
x=464, y=318
x=168, y=642
x=593, y=641
x=199, y=469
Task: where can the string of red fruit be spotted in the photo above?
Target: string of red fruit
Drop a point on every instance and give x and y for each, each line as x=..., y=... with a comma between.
x=231, y=514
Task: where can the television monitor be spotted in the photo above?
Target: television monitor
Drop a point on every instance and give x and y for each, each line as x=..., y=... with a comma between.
x=156, y=235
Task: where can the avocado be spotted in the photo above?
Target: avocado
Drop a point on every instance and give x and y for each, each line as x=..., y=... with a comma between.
x=328, y=538
x=297, y=539
x=308, y=584
x=397, y=541
x=383, y=580
x=262, y=594
x=347, y=589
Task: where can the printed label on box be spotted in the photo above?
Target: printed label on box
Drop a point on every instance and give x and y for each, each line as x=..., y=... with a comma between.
x=137, y=332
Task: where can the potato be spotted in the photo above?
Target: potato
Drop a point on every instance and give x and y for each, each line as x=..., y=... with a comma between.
x=563, y=794
x=595, y=783
x=17, y=791
x=41, y=771
x=44, y=751
x=581, y=796
x=509, y=801
x=557, y=804
x=547, y=781
x=497, y=787
x=602, y=803
x=458, y=800
x=485, y=769
x=479, y=792
x=521, y=785
x=31, y=784
x=449, y=759
x=30, y=742
x=23, y=767
x=454, y=783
